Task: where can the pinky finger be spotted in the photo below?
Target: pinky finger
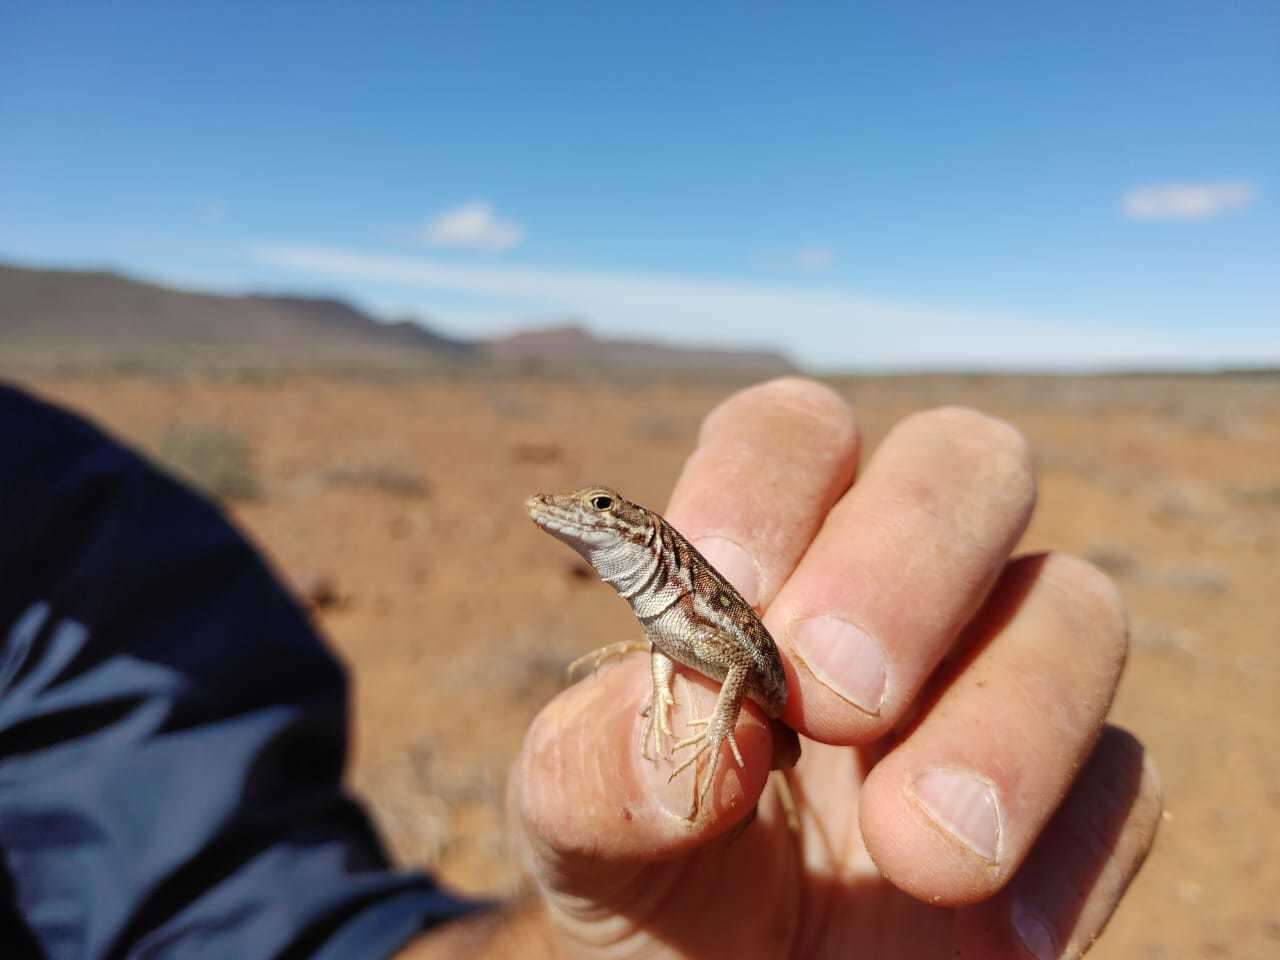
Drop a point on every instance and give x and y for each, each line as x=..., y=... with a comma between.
x=1070, y=884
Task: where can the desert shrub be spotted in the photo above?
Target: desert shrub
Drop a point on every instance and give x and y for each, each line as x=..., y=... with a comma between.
x=1112, y=558
x=218, y=461
x=1265, y=495
x=384, y=478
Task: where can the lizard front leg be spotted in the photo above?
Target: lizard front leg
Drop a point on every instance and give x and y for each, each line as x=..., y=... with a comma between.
x=603, y=655
x=662, y=668
x=719, y=728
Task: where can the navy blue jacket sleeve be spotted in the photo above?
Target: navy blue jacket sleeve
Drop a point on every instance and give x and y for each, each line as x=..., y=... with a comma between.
x=172, y=732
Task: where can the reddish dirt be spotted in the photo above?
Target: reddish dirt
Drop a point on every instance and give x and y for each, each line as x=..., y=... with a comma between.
x=401, y=504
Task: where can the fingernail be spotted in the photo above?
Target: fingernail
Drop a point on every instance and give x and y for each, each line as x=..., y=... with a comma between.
x=735, y=563
x=964, y=806
x=845, y=658
x=1033, y=932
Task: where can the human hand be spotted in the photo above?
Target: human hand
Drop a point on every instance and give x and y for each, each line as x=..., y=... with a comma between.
x=959, y=792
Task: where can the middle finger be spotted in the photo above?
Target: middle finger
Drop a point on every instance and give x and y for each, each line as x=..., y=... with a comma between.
x=900, y=565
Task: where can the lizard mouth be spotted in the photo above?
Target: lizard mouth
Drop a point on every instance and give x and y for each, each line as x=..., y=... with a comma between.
x=564, y=522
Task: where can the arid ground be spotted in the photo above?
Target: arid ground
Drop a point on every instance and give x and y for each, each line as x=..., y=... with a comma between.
x=396, y=506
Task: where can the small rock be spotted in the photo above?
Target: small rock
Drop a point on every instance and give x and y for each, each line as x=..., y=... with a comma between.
x=318, y=591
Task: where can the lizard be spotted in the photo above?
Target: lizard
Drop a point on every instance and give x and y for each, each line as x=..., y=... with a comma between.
x=690, y=613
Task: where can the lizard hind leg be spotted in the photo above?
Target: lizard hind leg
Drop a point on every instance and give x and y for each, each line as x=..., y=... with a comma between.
x=718, y=728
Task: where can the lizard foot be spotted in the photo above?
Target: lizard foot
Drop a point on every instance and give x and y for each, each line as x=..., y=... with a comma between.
x=661, y=669
x=657, y=723
x=710, y=739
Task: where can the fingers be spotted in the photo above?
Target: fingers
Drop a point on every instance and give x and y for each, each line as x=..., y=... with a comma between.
x=953, y=810
x=1065, y=892
x=898, y=568
x=770, y=462
x=592, y=808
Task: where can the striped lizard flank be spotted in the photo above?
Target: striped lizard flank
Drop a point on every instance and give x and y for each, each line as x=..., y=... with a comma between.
x=690, y=614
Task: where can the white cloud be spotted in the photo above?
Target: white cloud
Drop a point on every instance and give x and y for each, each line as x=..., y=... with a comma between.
x=814, y=258
x=1186, y=201
x=823, y=329
x=472, y=226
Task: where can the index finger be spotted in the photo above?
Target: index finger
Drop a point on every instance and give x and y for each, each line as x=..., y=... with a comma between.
x=770, y=463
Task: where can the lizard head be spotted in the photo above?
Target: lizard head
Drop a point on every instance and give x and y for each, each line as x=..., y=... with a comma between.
x=590, y=519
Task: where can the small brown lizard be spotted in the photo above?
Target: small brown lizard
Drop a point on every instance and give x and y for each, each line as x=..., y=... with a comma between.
x=690, y=613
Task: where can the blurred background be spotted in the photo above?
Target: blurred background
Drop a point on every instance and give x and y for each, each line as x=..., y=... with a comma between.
x=371, y=274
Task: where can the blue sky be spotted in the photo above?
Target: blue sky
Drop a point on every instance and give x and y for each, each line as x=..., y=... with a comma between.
x=897, y=185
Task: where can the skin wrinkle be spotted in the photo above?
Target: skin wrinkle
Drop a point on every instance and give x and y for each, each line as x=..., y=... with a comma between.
x=560, y=716
x=1089, y=586
x=602, y=902
x=651, y=901
x=1067, y=715
x=766, y=437
x=645, y=899
x=966, y=510
x=786, y=394
x=900, y=513
x=1001, y=467
x=969, y=430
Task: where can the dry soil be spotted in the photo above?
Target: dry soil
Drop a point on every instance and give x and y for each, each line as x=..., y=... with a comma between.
x=398, y=506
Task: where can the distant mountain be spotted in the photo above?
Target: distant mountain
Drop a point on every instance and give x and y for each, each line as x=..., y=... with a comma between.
x=573, y=347
x=67, y=306
x=98, y=316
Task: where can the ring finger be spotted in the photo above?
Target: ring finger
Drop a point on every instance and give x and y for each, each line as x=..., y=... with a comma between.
x=954, y=808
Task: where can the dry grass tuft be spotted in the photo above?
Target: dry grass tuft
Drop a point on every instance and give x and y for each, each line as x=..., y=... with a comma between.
x=216, y=460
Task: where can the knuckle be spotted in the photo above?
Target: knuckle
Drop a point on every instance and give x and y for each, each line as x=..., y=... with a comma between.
x=973, y=430
x=796, y=397
x=996, y=447
x=1093, y=598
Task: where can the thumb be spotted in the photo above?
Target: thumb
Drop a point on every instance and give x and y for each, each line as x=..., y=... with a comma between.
x=596, y=818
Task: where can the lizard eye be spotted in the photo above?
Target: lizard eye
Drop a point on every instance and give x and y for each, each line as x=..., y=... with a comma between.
x=602, y=503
